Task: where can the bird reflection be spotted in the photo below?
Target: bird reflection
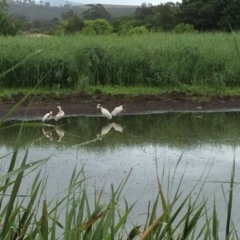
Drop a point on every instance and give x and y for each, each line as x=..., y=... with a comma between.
x=107, y=129
x=117, y=127
x=104, y=131
x=60, y=132
x=47, y=133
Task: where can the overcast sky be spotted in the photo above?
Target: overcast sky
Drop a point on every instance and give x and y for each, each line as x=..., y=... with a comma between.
x=124, y=2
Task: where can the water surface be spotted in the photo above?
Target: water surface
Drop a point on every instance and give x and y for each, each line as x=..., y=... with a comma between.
x=150, y=145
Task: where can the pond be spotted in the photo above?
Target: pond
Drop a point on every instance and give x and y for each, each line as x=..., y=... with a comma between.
x=198, y=148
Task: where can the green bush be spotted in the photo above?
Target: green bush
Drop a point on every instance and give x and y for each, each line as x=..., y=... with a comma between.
x=97, y=27
x=137, y=31
x=184, y=28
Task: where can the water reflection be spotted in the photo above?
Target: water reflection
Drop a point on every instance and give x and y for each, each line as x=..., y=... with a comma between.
x=60, y=132
x=117, y=127
x=177, y=130
x=138, y=142
x=47, y=133
x=106, y=129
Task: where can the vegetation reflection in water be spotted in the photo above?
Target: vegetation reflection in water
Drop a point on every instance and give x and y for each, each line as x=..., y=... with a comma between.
x=178, y=130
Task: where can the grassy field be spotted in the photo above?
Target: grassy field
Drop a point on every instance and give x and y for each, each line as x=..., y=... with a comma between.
x=153, y=60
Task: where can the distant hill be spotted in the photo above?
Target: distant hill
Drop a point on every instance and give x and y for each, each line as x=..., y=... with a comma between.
x=45, y=11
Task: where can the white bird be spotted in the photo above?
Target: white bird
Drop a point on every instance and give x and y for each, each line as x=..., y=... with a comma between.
x=105, y=112
x=47, y=117
x=117, y=110
x=60, y=114
x=117, y=127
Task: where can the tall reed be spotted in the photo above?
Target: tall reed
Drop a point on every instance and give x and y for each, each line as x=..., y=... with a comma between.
x=147, y=60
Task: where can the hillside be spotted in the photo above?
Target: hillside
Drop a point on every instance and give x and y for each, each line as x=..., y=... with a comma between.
x=46, y=11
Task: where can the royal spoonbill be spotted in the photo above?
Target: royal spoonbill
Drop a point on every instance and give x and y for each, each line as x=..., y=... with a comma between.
x=105, y=112
x=47, y=117
x=60, y=114
x=117, y=110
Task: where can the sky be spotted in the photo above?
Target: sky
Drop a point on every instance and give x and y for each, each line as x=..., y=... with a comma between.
x=124, y=2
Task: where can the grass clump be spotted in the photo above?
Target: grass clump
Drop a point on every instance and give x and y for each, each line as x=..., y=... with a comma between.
x=164, y=60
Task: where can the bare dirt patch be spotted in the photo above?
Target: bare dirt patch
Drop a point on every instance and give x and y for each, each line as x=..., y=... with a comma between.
x=85, y=104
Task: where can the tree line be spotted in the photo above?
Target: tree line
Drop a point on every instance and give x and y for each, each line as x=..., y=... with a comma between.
x=190, y=15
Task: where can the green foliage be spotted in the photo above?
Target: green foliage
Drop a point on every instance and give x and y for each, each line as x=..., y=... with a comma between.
x=210, y=15
x=71, y=23
x=163, y=18
x=61, y=28
x=166, y=60
x=75, y=24
x=230, y=17
x=156, y=17
x=7, y=26
x=184, y=28
x=97, y=27
x=123, y=24
x=96, y=12
x=136, y=31
x=34, y=30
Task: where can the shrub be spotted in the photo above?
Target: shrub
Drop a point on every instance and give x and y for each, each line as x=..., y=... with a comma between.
x=184, y=28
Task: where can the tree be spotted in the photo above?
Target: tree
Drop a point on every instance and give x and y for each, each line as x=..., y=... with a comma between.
x=202, y=14
x=230, y=16
x=156, y=17
x=55, y=21
x=163, y=17
x=67, y=15
x=7, y=25
x=143, y=13
x=96, y=11
x=72, y=22
x=3, y=7
x=97, y=27
x=47, y=4
x=75, y=24
x=36, y=24
x=60, y=31
x=123, y=24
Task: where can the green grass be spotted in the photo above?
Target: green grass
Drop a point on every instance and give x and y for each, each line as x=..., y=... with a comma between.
x=193, y=93
x=153, y=60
